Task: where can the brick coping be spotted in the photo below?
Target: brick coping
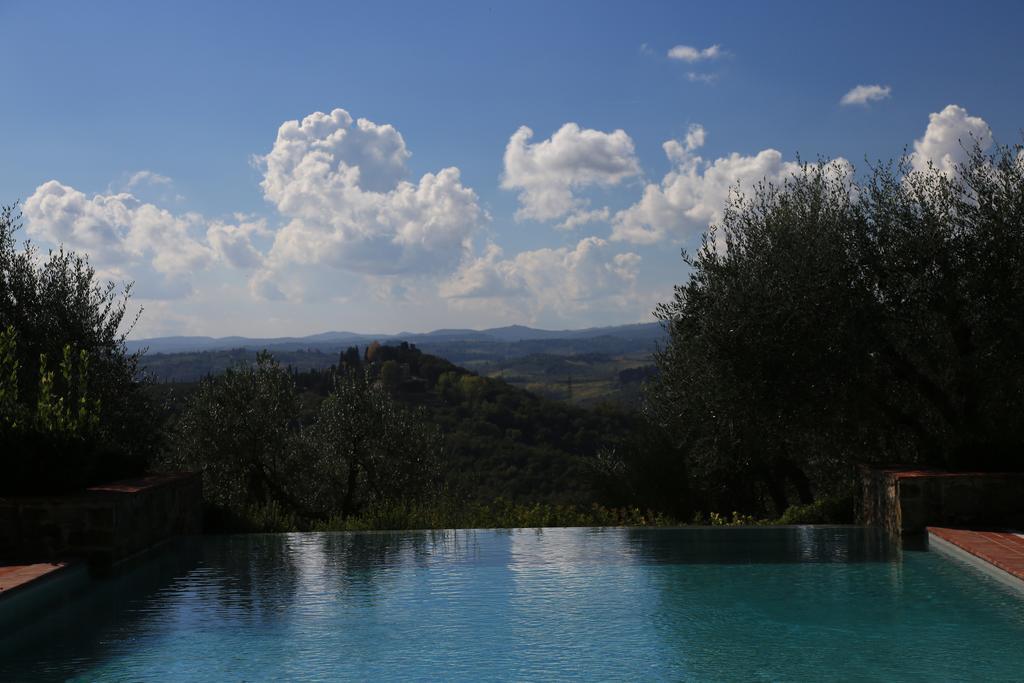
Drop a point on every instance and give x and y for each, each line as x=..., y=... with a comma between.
x=1003, y=551
x=17, y=577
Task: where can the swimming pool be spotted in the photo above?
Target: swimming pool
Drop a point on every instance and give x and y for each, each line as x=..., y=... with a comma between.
x=789, y=603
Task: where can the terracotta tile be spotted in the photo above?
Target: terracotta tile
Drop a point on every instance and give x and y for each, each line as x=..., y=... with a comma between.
x=1003, y=549
x=15, y=576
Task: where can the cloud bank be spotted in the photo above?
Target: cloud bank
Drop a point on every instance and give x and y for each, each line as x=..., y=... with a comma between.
x=348, y=221
x=693, y=194
x=560, y=281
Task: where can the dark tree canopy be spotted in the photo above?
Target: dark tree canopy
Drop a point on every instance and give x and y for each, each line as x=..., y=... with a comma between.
x=66, y=344
x=245, y=431
x=828, y=322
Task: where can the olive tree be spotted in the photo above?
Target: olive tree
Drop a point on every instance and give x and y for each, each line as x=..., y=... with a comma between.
x=827, y=322
x=370, y=450
x=240, y=430
x=57, y=311
x=244, y=431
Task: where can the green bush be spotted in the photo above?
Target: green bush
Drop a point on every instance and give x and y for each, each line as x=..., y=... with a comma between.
x=830, y=510
x=79, y=420
x=50, y=445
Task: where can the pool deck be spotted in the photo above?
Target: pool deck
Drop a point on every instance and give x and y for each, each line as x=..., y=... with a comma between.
x=26, y=590
x=999, y=553
x=14, y=577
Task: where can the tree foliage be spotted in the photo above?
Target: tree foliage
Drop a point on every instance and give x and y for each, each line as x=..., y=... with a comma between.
x=239, y=429
x=828, y=322
x=372, y=450
x=64, y=344
x=244, y=430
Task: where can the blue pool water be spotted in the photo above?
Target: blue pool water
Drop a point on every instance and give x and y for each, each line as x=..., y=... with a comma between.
x=728, y=604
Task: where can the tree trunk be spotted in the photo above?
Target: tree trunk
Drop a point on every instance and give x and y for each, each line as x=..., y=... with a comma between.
x=777, y=491
x=353, y=476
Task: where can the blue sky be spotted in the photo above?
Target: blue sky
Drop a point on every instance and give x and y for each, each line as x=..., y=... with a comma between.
x=147, y=135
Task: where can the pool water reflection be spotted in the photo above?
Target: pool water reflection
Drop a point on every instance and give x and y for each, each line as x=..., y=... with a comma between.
x=607, y=604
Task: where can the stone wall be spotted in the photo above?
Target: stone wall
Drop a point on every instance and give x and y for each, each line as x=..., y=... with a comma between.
x=905, y=501
x=103, y=524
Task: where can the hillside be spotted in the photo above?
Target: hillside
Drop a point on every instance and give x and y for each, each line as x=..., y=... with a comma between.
x=581, y=370
x=336, y=341
x=502, y=440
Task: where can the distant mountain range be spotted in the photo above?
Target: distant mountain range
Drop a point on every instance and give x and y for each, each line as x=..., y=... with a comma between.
x=333, y=341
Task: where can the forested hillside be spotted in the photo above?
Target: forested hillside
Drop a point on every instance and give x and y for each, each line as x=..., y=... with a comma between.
x=501, y=441
x=584, y=372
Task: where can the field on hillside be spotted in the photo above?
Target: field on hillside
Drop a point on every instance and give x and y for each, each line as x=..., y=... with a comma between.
x=584, y=379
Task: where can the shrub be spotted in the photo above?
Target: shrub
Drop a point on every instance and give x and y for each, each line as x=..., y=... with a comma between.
x=73, y=412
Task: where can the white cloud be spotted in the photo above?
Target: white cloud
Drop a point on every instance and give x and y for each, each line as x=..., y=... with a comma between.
x=352, y=227
x=548, y=172
x=694, y=193
x=949, y=135
x=340, y=183
x=350, y=221
x=118, y=229
x=131, y=240
x=864, y=94
x=679, y=152
x=369, y=156
x=583, y=217
x=233, y=243
x=146, y=178
x=562, y=281
x=686, y=53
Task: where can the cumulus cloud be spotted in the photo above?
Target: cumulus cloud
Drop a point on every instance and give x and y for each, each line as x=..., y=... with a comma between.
x=146, y=178
x=340, y=183
x=948, y=137
x=548, y=172
x=561, y=281
x=369, y=156
x=349, y=219
x=864, y=94
x=686, y=53
x=233, y=243
x=694, y=193
x=678, y=152
x=131, y=240
x=117, y=228
x=582, y=217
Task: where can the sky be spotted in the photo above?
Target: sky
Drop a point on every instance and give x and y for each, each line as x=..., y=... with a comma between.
x=272, y=169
